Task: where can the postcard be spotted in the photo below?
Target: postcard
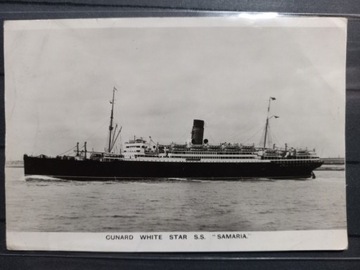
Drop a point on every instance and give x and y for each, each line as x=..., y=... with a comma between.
x=186, y=134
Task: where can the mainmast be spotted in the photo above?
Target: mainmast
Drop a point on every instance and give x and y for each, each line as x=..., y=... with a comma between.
x=111, y=120
x=267, y=120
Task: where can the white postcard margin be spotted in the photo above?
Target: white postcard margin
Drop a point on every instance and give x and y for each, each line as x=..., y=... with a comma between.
x=180, y=241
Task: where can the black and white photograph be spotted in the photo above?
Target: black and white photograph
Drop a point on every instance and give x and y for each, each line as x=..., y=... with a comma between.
x=176, y=134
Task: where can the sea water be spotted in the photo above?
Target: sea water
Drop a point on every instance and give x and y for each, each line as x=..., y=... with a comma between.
x=47, y=205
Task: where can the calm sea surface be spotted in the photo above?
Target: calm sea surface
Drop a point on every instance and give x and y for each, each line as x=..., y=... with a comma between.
x=175, y=204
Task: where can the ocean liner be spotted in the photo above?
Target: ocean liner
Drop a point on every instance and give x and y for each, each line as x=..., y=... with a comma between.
x=141, y=159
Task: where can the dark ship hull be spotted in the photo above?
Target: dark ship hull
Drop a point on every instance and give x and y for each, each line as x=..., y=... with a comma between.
x=87, y=170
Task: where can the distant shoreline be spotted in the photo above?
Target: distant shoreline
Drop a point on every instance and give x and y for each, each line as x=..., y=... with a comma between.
x=331, y=167
x=14, y=164
x=334, y=161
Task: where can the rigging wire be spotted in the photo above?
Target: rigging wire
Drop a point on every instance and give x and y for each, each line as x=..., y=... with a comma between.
x=248, y=126
x=262, y=137
x=116, y=136
x=92, y=135
x=97, y=129
x=89, y=137
x=67, y=151
x=275, y=139
x=270, y=138
x=255, y=134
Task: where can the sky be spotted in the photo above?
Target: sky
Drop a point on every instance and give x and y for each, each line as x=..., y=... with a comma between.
x=59, y=77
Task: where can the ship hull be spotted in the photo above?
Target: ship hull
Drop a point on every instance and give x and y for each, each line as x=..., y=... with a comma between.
x=87, y=170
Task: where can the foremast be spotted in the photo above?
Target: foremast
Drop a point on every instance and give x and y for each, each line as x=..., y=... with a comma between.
x=113, y=134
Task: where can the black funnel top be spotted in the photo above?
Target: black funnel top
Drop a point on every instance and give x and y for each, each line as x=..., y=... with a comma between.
x=197, y=133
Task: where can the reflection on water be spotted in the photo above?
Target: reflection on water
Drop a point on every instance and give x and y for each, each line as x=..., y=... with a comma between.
x=175, y=204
